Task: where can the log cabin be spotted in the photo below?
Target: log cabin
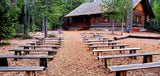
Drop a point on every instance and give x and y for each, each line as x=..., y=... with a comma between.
x=89, y=15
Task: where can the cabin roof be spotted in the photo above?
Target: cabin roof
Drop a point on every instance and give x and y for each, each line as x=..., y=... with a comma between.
x=91, y=8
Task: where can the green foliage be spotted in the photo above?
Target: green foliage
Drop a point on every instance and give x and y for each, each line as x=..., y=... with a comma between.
x=19, y=28
x=5, y=43
x=116, y=8
x=155, y=23
x=6, y=20
x=12, y=14
x=156, y=7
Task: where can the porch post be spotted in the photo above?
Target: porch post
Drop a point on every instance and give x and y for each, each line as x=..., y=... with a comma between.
x=78, y=23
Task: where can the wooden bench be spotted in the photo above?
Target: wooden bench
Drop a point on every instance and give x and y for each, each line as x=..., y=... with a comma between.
x=54, y=38
x=33, y=43
x=102, y=46
x=121, y=70
x=53, y=41
x=87, y=38
x=132, y=50
x=147, y=57
x=29, y=71
x=109, y=43
x=50, y=51
x=38, y=46
x=105, y=40
x=43, y=59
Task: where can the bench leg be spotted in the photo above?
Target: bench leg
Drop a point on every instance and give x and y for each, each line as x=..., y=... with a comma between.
x=3, y=62
x=147, y=59
x=52, y=53
x=30, y=73
x=43, y=62
x=17, y=53
x=121, y=47
x=94, y=49
x=121, y=73
x=99, y=54
x=54, y=48
x=26, y=52
x=133, y=52
x=107, y=62
x=90, y=49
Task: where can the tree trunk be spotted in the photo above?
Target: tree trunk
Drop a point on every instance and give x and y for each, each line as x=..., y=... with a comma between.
x=25, y=19
x=33, y=24
x=113, y=26
x=122, y=24
x=29, y=16
x=131, y=24
x=43, y=27
x=45, y=21
x=122, y=27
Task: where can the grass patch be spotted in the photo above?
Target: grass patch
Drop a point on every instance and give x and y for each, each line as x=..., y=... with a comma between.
x=51, y=36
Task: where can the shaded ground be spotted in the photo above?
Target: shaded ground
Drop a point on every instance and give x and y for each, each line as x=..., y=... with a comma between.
x=74, y=59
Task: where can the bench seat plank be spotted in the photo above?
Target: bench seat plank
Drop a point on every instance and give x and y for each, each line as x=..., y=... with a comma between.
x=125, y=49
x=133, y=66
x=106, y=46
x=101, y=43
x=38, y=46
x=53, y=38
x=33, y=43
x=127, y=55
x=34, y=50
x=25, y=56
x=22, y=68
x=100, y=40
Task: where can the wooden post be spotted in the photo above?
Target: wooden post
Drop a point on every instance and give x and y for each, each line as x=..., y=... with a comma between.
x=99, y=54
x=147, y=59
x=133, y=52
x=107, y=62
x=59, y=40
x=30, y=73
x=78, y=22
x=94, y=52
x=121, y=47
x=26, y=52
x=17, y=53
x=50, y=53
x=43, y=62
x=84, y=20
x=84, y=23
x=3, y=62
x=121, y=73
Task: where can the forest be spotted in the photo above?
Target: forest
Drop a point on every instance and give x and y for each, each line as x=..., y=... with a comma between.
x=23, y=16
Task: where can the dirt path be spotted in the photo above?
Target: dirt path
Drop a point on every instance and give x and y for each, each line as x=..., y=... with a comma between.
x=73, y=59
